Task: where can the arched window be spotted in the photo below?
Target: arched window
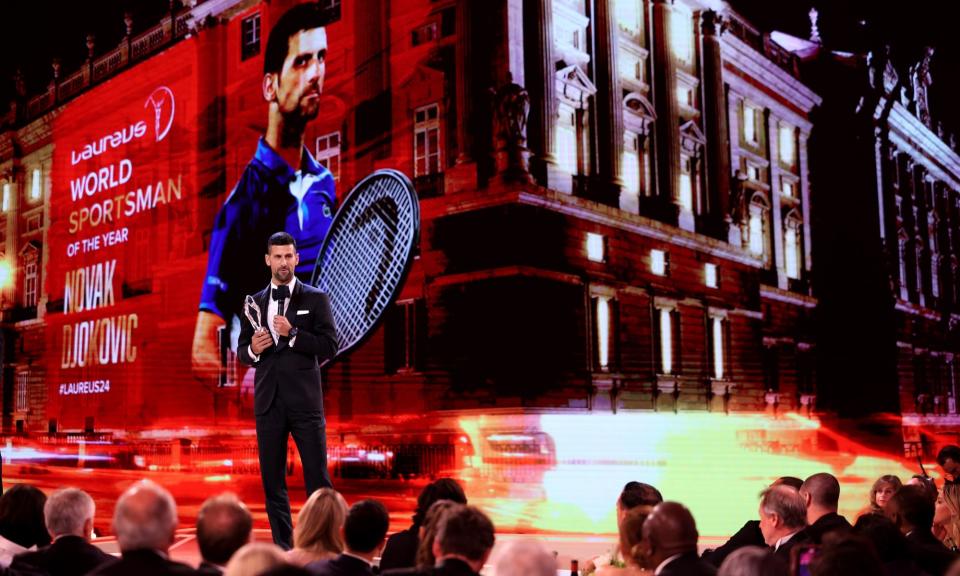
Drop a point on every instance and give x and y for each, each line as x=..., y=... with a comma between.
x=757, y=225
x=792, y=253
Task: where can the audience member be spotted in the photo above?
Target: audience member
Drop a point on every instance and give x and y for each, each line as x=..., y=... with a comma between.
x=428, y=532
x=889, y=543
x=753, y=561
x=634, y=494
x=821, y=493
x=224, y=525
x=525, y=558
x=911, y=511
x=783, y=517
x=318, y=534
x=847, y=556
x=22, y=526
x=927, y=484
x=631, y=535
x=954, y=569
x=364, y=533
x=669, y=543
x=883, y=489
x=254, y=559
x=949, y=460
x=68, y=514
x=749, y=534
x=465, y=538
x=145, y=522
x=401, y=548
x=946, y=516
x=286, y=570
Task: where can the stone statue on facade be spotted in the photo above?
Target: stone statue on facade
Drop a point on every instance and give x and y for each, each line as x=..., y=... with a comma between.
x=921, y=79
x=511, y=105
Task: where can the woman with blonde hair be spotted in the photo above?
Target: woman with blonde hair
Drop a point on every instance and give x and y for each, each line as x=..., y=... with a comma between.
x=318, y=534
x=946, y=518
x=254, y=558
x=881, y=493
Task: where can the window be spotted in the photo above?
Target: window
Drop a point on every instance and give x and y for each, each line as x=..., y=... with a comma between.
x=628, y=16
x=6, y=197
x=681, y=29
x=788, y=146
x=902, y=249
x=659, y=263
x=425, y=33
x=757, y=225
x=710, y=276
x=36, y=189
x=328, y=153
x=23, y=377
x=250, y=36
x=787, y=188
x=602, y=311
x=567, y=149
x=791, y=249
x=665, y=327
x=636, y=163
x=717, y=346
x=631, y=67
x=753, y=172
x=687, y=180
x=30, y=277
x=595, y=247
x=427, y=140
x=405, y=336
x=750, y=124
x=685, y=96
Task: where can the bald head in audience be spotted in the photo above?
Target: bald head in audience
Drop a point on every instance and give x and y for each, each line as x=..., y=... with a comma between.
x=145, y=518
x=525, y=558
x=821, y=493
x=669, y=530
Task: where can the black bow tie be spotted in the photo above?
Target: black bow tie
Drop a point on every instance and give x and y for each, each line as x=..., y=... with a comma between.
x=281, y=293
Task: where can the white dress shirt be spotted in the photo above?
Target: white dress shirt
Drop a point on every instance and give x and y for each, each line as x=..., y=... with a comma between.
x=663, y=564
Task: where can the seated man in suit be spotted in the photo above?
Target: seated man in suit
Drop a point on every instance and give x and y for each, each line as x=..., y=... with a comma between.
x=821, y=493
x=525, y=558
x=670, y=542
x=912, y=512
x=68, y=514
x=364, y=534
x=465, y=538
x=145, y=522
x=224, y=525
x=783, y=517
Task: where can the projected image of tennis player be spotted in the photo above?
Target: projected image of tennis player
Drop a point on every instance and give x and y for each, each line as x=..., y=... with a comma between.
x=282, y=188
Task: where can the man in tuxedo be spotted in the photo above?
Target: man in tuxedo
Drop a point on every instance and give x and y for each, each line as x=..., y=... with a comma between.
x=949, y=461
x=145, y=522
x=670, y=542
x=912, y=512
x=224, y=525
x=68, y=515
x=783, y=517
x=364, y=533
x=465, y=538
x=296, y=336
x=821, y=494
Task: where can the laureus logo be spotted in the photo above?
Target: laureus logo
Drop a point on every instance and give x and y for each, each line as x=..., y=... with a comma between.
x=163, y=109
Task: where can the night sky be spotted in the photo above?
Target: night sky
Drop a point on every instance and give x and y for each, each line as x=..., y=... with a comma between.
x=38, y=30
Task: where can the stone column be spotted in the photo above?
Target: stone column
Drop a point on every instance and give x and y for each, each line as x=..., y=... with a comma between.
x=541, y=85
x=715, y=121
x=465, y=87
x=665, y=103
x=609, y=105
x=776, y=218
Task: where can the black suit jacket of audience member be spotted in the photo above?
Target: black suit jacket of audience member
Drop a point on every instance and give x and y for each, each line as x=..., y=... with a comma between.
x=448, y=567
x=208, y=569
x=748, y=535
x=783, y=551
x=66, y=556
x=688, y=564
x=928, y=552
x=831, y=522
x=342, y=565
x=401, y=550
x=144, y=563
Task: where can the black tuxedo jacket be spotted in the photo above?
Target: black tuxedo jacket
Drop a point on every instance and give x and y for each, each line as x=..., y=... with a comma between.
x=748, y=535
x=401, y=550
x=342, y=565
x=292, y=372
x=928, y=552
x=144, y=563
x=688, y=564
x=66, y=556
x=831, y=522
x=207, y=569
x=799, y=538
x=448, y=567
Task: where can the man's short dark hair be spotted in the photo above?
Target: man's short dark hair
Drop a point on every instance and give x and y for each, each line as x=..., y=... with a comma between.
x=467, y=532
x=366, y=526
x=824, y=490
x=306, y=16
x=914, y=506
x=639, y=494
x=223, y=527
x=949, y=451
x=440, y=489
x=281, y=239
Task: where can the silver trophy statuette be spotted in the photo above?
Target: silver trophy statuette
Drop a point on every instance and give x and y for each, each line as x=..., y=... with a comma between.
x=252, y=311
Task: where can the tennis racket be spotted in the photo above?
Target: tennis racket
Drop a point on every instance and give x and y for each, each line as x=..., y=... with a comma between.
x=367, y=253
